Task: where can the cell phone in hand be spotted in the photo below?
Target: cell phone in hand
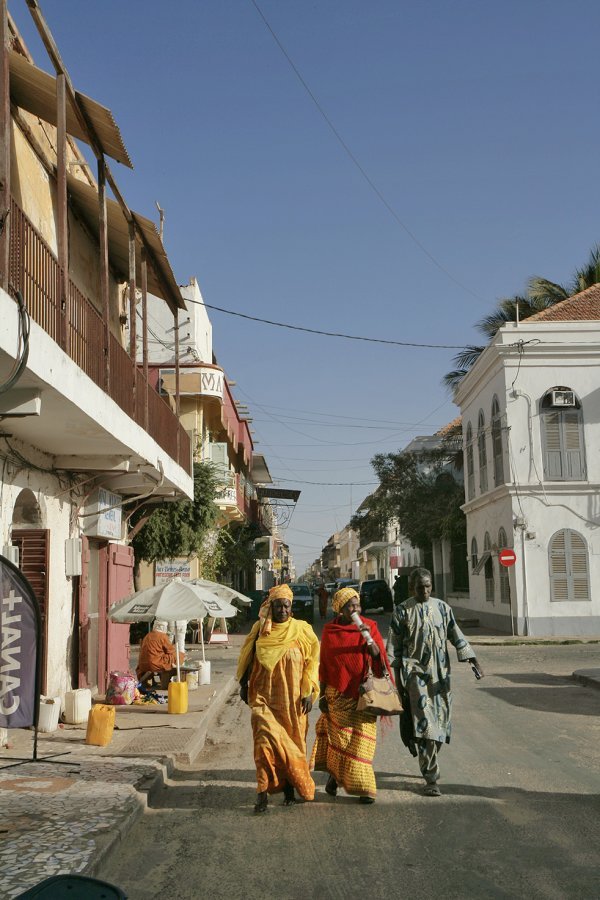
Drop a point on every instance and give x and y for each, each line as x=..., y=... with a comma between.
x=476, y=671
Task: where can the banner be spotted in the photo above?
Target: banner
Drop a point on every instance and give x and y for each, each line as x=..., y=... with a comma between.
x=19, y=640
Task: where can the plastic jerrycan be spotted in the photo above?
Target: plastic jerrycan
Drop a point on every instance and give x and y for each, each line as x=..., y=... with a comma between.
x=178, y=697
x=100, y=726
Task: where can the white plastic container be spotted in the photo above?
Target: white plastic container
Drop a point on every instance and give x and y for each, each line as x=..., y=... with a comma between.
x=49, y=713
x=204, y=672
x=77, y=706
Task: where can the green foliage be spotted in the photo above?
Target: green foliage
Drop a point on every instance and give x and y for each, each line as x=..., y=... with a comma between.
x=418, y=491
x=235, y=547
x=179, y=529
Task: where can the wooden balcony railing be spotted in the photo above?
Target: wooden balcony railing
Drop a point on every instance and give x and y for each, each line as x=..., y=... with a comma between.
x=35, y=272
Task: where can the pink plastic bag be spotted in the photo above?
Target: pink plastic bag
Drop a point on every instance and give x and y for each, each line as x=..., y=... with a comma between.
x=121, y=689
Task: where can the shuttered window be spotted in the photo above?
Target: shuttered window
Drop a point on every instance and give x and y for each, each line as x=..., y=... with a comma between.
x=569, y=572
x=488, y=569
x=470, y=464
x=504, y=576
x=497, y=447
x=564, y=458
x=474, y=554
x=482, y=453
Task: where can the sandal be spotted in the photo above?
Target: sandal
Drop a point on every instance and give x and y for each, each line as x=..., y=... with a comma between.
x=331, y=786
x=366, y=799
x=432, y=790
x=288, y=794
x=261, y=803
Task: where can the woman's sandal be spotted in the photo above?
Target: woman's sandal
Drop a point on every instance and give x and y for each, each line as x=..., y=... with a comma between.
x=288, y=794
x=366, y=799
x=261, y=803
x=331, y=786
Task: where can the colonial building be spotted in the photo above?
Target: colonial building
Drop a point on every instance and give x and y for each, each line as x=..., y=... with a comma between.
x=531, y=427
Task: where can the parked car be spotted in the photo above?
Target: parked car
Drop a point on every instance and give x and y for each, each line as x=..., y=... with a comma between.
x=331, y=588
x=376, y=594
x=346, y=583
x=303, y=602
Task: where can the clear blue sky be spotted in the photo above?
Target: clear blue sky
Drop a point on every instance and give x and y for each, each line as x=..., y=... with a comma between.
x=478, y=123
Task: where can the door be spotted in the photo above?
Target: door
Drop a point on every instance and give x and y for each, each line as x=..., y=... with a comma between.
x=116, y=583
x=33, y=544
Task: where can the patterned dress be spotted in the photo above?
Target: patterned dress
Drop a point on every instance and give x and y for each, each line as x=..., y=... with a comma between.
x=417, y=647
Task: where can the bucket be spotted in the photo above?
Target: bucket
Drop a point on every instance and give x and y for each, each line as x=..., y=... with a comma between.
x=191, y=678
x=101, y=722
x=77, y=706
x=178, y=697
x=204, y=672
x=49, y=713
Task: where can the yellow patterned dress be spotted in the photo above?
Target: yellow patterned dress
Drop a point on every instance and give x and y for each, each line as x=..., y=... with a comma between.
x=345, y=745
x=284, y=671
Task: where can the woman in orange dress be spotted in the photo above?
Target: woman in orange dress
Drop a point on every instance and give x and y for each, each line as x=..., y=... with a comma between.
x=278, y=675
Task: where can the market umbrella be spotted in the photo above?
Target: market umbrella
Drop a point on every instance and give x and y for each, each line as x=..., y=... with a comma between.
x=173, y=600
x=223, y=591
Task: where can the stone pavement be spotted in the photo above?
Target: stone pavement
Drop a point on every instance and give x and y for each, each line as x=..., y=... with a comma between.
x=64, y=813
x=57, y=818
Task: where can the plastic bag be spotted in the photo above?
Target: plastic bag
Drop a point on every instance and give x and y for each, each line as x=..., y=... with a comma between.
x=121, y=689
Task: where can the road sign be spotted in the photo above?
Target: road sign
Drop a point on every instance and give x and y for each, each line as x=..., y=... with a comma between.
x=507, y=557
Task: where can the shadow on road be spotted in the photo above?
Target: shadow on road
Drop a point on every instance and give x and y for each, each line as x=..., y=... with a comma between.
x=564, y=698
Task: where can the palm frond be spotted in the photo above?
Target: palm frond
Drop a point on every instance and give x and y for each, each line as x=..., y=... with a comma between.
x=544, y=293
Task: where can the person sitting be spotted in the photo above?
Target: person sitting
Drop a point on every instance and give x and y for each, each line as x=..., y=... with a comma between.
x=157, y=655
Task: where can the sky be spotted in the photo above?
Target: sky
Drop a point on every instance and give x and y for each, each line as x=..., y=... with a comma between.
x=386, y=169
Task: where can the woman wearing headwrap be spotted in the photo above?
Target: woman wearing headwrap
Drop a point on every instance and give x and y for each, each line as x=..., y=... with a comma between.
x=278, y=675
x=345, y=744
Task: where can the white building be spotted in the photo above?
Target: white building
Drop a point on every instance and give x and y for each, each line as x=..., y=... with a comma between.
x=531, y=427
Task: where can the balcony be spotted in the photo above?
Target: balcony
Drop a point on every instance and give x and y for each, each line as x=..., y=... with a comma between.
x=79, y=330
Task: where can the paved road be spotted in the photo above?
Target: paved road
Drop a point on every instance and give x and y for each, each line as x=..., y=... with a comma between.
x=519, y=816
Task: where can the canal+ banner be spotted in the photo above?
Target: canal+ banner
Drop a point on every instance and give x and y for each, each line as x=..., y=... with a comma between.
x=19, y=646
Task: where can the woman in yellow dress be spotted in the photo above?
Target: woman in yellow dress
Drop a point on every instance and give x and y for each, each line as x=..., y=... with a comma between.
x=278, y=675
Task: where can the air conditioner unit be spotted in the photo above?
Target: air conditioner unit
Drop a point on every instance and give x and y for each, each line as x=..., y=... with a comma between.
x=563, y=398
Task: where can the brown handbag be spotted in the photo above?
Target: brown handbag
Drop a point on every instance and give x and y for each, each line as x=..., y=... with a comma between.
x=378, y=696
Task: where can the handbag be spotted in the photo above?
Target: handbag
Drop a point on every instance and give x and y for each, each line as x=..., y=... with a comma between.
x=378, y=696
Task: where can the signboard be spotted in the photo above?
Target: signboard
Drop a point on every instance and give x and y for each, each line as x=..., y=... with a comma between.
x=167, y=569
x=19, y=640
x=103, y=515
x=507, y=557
x=194, y=381
x=276, y=564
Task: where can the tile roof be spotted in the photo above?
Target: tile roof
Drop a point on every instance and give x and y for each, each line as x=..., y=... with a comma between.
x=450, y=427
x=584, y=306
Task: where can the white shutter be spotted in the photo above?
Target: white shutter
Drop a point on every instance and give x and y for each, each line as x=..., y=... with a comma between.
x=552, y=445
x=569, y=575
x=573, y=444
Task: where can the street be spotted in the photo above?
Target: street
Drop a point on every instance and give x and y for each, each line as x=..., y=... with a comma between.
x=519, y=815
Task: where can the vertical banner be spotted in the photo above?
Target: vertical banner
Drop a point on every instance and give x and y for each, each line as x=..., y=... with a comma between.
x=19, y=649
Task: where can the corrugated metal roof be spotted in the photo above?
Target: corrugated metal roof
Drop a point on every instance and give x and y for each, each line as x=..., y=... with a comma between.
x=35, y=91
x=162, y=282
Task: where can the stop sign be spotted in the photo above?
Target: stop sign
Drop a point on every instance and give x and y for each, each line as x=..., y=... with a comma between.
x=507, y=557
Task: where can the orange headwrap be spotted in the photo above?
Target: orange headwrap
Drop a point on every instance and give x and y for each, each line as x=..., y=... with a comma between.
x=341, y=597
x=279, y=592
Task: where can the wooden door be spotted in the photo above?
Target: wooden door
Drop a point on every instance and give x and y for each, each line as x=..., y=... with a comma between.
x=33, y=544
x=116, y=583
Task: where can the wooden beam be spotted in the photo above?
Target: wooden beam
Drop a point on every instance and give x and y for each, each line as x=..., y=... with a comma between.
x=5, y=134
x=171, y=301
x=177, y=395
x=62, y=237
x=104, y=284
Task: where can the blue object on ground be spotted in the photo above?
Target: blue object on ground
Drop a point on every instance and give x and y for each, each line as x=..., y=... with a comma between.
x=73, y=887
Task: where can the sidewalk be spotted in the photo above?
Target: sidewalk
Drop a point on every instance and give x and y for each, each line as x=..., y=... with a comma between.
x=65, y=815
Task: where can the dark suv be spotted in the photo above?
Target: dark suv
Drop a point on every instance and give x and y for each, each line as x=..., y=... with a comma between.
x=302, y=604
x=376, y=594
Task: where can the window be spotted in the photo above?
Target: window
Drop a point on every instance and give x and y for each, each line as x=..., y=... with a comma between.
x=562, y=438
x=488, y=569
x=569, y=571
x=470, y=464
x=504, y=576
x=482, y=453
x=459, y=567
x=473, y=554
x=497, y=448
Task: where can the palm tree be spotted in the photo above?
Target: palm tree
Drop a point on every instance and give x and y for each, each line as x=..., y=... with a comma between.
x=541, y=294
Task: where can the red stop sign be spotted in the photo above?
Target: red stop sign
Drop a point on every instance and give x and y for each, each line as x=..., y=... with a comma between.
x=507, y=557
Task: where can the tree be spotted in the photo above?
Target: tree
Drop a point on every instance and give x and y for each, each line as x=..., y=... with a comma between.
x=541, y=294
x=178, y=529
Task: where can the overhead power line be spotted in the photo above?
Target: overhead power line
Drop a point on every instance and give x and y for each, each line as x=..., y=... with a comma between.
x=357, y=164
x=329, y=483
x=336, y=334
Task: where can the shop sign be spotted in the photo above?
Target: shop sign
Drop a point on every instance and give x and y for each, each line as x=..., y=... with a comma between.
x=167, y=569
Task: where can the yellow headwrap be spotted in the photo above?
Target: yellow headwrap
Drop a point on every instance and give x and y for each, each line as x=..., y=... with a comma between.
x=341, y=597
x=279, y=592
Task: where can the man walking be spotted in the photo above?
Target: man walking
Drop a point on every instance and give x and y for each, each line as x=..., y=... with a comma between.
x=417, y=649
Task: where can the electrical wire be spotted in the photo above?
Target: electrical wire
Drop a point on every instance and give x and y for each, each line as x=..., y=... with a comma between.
x=22, y=346
x=332, y=483
x=357, y=164
x=335, y=334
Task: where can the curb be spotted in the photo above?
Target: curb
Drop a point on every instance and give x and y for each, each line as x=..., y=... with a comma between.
x=197, y=741
x=585, y=677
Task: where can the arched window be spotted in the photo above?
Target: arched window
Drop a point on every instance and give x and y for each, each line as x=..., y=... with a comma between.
x=569, y=569
x=562, y=435
x=470, y=464
x=504, y=576
x=497, y=448
x=488, y=568
x=473, y=554
x=482, y=453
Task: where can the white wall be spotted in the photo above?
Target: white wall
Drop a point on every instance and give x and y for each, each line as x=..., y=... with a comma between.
x=195, y=329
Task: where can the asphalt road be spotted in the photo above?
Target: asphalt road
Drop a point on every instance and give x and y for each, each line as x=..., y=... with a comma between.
x=519, y=815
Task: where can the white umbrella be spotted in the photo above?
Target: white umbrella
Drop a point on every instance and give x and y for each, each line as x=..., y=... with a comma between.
x=174, y=600
x=223, y=591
